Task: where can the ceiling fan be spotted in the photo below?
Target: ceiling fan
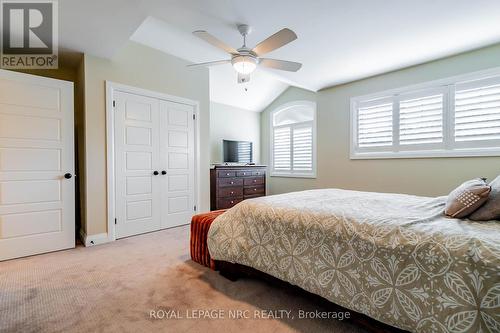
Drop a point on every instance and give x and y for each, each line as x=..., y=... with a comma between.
x=244, y=59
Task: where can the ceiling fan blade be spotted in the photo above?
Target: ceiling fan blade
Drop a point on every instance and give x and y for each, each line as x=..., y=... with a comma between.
x=243, y=78
x=275, y=41
x=210, y=63
x=283, y=65
x=214, y=41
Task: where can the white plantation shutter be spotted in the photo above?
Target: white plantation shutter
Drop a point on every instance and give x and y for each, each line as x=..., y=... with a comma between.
x=477, y=112
x=303, y=148
x=453, y=117
x=375, y=125
x=282, y=149
x=244, y=152
x=421, y=120
x=293, y=150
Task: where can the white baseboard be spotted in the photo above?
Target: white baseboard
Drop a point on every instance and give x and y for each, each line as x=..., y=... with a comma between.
x=93, y=240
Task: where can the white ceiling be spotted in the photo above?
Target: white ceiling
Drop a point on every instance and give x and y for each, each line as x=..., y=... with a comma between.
x=255, y=95
x=338, y=41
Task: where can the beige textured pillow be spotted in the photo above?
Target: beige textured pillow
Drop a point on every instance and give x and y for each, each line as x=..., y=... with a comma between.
x=491, y=209
x=466, y=198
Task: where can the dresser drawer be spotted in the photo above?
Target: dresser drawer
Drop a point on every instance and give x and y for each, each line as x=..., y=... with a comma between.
x=232, y=192
x=258, y=173
x=224, y=174
x=253, y=196
x=254, y=190
x=227, y=203
x=245, y=173
x=230, y=181
x=254, y=181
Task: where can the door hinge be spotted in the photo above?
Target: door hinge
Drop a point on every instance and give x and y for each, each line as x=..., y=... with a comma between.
x=195, y=208
x=115, y=221
x=114, y=103
x=194, y=116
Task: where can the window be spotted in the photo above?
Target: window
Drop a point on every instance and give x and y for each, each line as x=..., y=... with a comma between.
x=459, y=116
x=477, y=112
x=244, y=152
x=293, y=140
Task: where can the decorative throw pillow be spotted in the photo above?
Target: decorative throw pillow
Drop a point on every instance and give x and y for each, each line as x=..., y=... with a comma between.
x=491, y=209
x=466, y=198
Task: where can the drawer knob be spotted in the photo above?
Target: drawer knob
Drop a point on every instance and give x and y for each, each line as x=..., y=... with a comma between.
x=232, y=202
x=227, y=174
x=255, y=189
x=232, y=192
x=255, y=180
x=232, y=182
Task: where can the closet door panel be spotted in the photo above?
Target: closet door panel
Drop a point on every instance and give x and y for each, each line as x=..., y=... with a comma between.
x=177, y=158
x=137, y=156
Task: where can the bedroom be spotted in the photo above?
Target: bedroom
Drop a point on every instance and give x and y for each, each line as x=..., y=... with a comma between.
x=333, y=175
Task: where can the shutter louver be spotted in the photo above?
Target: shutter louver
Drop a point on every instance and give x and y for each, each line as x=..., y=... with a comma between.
x=282, y=149
x=421, y=120
x=244, y=152
x=477, y=113
x=375, y=126
x=302, y=149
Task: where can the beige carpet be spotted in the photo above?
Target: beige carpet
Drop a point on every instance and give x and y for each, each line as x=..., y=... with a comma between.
x=113, y=288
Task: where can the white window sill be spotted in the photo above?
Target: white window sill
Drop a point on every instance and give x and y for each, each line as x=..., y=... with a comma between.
x=293, y=175
x=480, y=152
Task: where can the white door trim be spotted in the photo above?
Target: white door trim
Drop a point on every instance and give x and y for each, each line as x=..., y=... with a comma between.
x=111, y=87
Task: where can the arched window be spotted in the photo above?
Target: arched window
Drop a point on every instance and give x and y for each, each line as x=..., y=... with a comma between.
x=293, y=140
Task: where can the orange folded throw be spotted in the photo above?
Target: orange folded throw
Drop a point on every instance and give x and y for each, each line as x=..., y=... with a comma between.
x=200, y=224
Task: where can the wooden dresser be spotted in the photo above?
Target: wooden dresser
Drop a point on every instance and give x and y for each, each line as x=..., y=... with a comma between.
x=231, y=184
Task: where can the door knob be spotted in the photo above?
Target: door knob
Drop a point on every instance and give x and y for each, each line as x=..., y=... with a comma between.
x=68, y=175
x=164, y=172
x=155, y=173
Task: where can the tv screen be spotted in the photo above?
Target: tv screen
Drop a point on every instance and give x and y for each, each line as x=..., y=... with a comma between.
x=237, y=151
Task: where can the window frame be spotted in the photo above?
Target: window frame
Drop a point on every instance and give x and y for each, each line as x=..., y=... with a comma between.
x=292, y=173
x=449, y=148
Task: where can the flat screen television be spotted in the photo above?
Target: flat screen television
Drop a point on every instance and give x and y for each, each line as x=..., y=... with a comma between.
x=237, y=151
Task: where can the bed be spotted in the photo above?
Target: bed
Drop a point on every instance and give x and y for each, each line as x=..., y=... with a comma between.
x=393, y=257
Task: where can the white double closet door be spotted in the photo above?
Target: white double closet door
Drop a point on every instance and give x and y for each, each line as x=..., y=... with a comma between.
x=154, y=164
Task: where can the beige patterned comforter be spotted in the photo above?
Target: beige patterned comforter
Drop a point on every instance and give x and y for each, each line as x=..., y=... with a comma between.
x=393, y=257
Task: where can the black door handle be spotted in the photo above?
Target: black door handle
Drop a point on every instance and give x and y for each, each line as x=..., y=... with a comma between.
x=164, y=172
x=155, y=173
x=68, y=175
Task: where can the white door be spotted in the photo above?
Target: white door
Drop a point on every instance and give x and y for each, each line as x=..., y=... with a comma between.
x=154, y=164
x=177, y=158
x=137, y=179
x=37, y=200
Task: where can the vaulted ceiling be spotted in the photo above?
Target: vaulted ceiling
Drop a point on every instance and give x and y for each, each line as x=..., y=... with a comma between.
x=338, y=41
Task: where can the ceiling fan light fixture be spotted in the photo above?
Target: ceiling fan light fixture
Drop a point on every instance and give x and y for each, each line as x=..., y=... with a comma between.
x=244, y=59
x=244, y=64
